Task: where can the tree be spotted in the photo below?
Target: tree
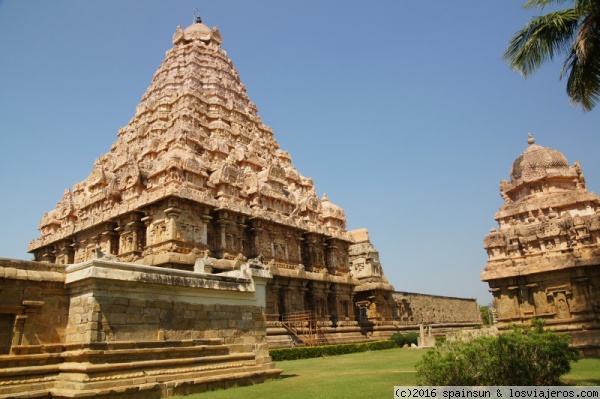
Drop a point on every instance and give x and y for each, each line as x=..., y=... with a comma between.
x=486, y=315
x=523, y=356
x=575, y=31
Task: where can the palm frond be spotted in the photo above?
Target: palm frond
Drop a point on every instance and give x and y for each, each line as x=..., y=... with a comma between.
x=583, y=65
x=542, y=3
x=540, y=39
x=586, y=6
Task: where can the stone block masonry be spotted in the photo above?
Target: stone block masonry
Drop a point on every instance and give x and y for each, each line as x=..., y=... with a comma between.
x=117, y=330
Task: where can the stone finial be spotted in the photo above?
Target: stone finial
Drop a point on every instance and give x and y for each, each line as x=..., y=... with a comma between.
x=530, y=139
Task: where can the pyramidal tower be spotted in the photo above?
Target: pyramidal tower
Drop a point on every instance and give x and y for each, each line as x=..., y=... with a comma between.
x=196, y=182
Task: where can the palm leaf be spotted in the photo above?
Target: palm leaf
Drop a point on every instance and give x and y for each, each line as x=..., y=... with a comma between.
x=540, y=39
x=583, y=64
x=542, y=3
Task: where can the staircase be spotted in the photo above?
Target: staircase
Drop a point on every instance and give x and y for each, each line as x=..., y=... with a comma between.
x=305, y=327
x=148, y=370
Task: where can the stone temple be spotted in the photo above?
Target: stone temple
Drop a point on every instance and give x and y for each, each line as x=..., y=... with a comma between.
x=193, y=246
x=197, y=182
x=544, y=257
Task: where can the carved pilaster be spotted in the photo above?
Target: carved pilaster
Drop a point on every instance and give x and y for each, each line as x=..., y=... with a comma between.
x=204, y=229
x=222, y=223
x=255, y=233
x=172, y=214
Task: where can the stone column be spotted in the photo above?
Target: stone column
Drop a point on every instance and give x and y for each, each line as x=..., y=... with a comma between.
x=275, y=299
x=287, y=300
x=111, y=237
x=204, y=228
x=66, y=253
x=334, y=305
x=299, y=247
x=18, y=330
x=222, y=223
x=241, y=228
x=308, y=255
x=147, y=220
x=255, y=232
x=172, y=215
x=329, y=250
x=272, y=242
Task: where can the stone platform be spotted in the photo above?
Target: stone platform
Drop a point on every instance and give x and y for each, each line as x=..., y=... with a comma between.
x=117, y=330
x=127, y=369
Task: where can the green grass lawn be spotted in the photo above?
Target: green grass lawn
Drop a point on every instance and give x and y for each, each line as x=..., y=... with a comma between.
x=360, y=375
x=584, y=372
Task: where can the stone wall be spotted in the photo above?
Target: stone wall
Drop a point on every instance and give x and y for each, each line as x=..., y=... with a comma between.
x=87, y=330
x=416, y=308
x=122, y=317
x=565, y=299
x=33, y=304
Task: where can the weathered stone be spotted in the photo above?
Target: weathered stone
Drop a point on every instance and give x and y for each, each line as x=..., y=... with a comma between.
x=544, y=257
x=194, y=230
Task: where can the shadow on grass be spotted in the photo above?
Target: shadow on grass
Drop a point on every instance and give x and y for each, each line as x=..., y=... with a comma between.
x=284, y=376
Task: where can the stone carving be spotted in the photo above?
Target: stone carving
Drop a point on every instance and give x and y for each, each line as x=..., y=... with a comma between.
x=195, y=185
x=196, y=172
x=547, y=240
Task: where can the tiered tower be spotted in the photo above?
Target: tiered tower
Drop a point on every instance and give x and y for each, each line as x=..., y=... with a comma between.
x=197, y=182
x=544, y=257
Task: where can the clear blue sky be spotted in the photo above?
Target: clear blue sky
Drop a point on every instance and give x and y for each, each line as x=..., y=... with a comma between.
x=402, y=112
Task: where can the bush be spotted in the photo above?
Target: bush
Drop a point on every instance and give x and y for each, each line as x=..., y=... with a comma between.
x=399, y=339
x=524, y=356
x=307, y=352
x=412, y=338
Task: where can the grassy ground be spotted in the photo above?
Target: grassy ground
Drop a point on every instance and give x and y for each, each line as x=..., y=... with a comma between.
x=360, y=375
x=584, y=372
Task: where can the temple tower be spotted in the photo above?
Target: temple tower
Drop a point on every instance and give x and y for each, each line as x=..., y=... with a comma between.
x=196, y=182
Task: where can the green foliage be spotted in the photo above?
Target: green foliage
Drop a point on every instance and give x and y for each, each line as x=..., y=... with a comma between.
x=399, y=339
x=412, y=338
x=307, y=352
x=524, y=356
x=574, y=32
x=486, y=315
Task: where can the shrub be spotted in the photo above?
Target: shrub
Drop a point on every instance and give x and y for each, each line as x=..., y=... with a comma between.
x=412, y=338
x=307, y=352
x=398, y=339
x=524, y=356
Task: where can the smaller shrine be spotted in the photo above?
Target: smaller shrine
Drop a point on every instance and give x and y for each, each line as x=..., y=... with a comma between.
x=544, y=256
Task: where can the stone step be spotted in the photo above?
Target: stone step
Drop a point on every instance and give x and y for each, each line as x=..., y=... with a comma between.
x=193, y=384
x=26, y=356
x=77, y=377
x=145, y=375
x=42, y=359
x=138, y=354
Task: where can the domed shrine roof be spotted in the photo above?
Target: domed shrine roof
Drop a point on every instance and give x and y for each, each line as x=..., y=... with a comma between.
x=332, y=210
x=535, y=160
x=197, y=31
